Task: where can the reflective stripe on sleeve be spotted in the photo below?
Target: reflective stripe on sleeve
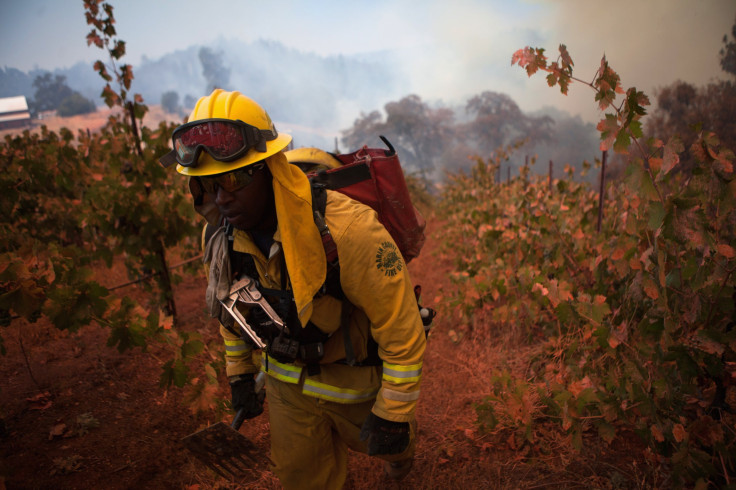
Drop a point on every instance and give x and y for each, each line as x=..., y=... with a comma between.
x=398, y=396
x=235, y=347
x=402, y=374
x=288, y=373
x=335, y=394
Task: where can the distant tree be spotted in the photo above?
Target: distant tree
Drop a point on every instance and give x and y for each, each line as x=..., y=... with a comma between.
x=430, y=138
x=189, y=101
x=364, y=131
x=416, y=130
x=50, y=92
x=170, y=102
x=420, y=130
x=728, y=52
x=213, y=69
x=571, y=141
x=75, y=104
x=498, y=120
x=681, y=106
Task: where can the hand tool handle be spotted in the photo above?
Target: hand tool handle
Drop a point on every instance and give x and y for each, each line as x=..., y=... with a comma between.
x=239, y=419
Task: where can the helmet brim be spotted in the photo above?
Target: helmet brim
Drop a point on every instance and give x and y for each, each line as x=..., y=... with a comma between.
x=209, y=166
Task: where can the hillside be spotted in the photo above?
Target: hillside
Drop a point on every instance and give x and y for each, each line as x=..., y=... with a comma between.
x=92, y=122
x=301, y=88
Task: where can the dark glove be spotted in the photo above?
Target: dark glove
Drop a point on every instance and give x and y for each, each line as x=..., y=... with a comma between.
x=384, y=436
x=262, y=324
x=245, y=396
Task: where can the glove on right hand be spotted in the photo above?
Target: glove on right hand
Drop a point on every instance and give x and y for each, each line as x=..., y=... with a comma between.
x=244, y=395
x=384, y=436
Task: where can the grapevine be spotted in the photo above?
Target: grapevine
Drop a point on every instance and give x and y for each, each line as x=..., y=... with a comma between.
x=77, y=203
x=635, y=323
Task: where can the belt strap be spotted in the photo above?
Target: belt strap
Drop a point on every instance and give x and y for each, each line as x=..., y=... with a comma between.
x=347, y=309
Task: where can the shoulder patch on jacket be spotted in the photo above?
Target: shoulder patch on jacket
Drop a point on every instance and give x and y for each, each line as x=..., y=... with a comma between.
x=388, y=259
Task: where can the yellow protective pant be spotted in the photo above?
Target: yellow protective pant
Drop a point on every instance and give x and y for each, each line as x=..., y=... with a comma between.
x=310, y=437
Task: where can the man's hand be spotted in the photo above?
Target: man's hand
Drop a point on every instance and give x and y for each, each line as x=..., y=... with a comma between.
x=245, y=396
x=263, y=325
x=384, y=436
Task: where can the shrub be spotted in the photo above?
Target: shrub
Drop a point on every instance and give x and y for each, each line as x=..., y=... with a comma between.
x=75, y=104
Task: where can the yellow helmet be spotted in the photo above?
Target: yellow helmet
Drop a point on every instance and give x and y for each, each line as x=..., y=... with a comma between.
x=251, y=125
x=312, y=159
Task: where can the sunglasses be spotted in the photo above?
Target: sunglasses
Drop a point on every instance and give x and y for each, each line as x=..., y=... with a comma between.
x=224, y=140
x=231, y=181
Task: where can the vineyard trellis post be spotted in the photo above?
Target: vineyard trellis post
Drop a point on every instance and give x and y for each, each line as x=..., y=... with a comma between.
x=166, y=282
x=600, y=194
x=134, y=126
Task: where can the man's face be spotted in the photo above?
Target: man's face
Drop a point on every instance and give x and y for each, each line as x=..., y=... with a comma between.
x=250, y=207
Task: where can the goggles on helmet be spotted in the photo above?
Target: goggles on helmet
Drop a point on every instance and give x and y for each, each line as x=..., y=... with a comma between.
x=231, y=181
x=224, y=140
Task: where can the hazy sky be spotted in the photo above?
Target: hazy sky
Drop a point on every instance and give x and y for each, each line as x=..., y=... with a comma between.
x=466, y=45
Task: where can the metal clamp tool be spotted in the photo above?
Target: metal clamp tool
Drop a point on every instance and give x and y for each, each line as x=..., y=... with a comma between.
x=245, y=291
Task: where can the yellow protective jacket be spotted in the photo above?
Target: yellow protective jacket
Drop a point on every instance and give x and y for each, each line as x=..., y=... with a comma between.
x=374, y=279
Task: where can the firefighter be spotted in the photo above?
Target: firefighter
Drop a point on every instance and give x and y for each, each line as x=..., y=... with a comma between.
x=354, y=382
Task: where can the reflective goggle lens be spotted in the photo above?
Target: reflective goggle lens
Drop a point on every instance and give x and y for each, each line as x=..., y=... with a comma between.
x=221, y=139
x=231, y=181
x=225, y=140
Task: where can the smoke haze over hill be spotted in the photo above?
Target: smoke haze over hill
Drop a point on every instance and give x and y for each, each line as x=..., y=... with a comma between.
x=298, y=89
x=318, y=66
x=440, y=50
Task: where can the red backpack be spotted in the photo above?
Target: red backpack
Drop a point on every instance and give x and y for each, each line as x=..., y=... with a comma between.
x=372, y=176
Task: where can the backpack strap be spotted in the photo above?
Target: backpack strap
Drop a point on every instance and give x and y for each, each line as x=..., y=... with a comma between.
x=319, y=204
x=347, y=176
x=332, y=284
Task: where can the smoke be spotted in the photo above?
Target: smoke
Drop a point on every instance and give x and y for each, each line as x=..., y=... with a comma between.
x=311, y=96
x=444, y=51
x=330, y=65
x=214, y=69
x=468, y=46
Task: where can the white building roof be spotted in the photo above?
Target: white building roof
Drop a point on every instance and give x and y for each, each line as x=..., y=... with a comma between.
x=13, y=104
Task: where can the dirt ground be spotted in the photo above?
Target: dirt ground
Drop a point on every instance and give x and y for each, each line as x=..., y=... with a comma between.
x=77, y=414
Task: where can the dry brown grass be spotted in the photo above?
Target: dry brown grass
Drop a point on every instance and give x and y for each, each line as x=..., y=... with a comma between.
x=92, y=122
